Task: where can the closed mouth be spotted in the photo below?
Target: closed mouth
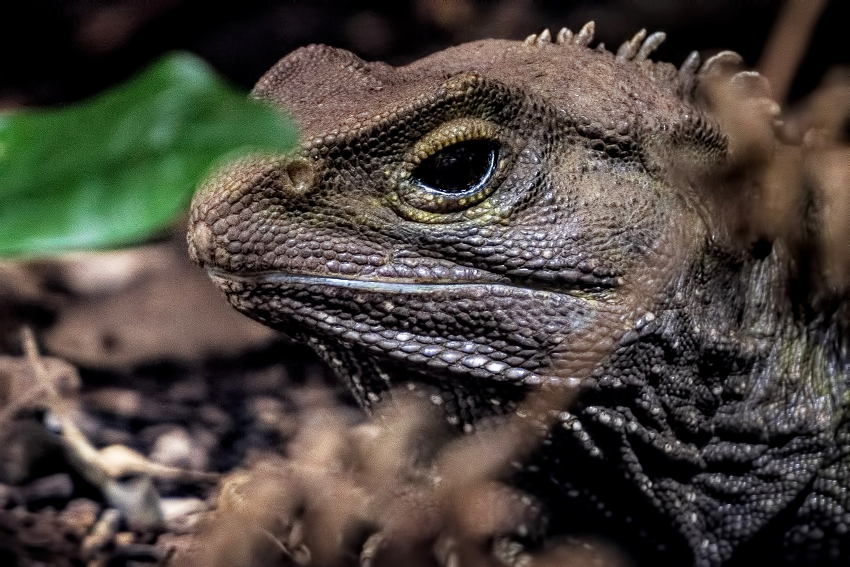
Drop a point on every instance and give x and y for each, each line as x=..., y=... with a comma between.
x=283, y=278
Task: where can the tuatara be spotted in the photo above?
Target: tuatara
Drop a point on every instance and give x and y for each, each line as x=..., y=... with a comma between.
x=508, y=217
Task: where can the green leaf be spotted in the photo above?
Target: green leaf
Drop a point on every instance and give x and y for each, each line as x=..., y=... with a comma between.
x=120, y=167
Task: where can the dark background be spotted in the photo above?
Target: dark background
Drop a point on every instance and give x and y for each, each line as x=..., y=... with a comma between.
x=58, y=51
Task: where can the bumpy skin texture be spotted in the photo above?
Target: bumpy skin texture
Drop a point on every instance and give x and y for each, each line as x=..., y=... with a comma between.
x=712, y=425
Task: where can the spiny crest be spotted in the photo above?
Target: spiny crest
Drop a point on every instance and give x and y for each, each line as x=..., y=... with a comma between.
x=636, y=49
x=583, y=37
x=693, y=77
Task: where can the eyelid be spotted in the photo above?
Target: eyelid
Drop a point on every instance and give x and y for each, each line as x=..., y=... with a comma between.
x=460, y=130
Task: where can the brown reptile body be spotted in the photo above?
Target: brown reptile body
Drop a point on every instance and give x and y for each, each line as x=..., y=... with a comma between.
x=503, y=217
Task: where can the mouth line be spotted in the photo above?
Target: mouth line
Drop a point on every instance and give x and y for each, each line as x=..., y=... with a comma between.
x=363, y=285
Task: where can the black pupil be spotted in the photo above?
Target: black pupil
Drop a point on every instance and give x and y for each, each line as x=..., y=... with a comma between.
x=459, y=167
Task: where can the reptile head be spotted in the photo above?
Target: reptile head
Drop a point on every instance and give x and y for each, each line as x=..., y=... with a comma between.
x=503, y=215
x=467, y=219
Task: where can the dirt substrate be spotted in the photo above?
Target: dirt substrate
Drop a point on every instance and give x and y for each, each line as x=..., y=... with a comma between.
x=166, y=388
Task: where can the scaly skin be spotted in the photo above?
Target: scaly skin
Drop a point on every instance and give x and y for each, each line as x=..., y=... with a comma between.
x=597, y=253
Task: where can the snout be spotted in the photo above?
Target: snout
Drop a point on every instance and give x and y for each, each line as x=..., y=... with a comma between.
x=231, y=209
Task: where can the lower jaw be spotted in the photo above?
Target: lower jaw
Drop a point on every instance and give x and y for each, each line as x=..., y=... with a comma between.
x=372, y=379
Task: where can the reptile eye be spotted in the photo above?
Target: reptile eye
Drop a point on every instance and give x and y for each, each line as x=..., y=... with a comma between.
x=452, y=168
x=462, y=168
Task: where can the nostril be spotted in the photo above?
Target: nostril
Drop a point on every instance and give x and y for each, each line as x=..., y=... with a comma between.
x=300, y=174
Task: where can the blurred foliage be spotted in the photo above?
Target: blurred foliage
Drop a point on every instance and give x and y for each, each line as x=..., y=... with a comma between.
x=122, y=166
